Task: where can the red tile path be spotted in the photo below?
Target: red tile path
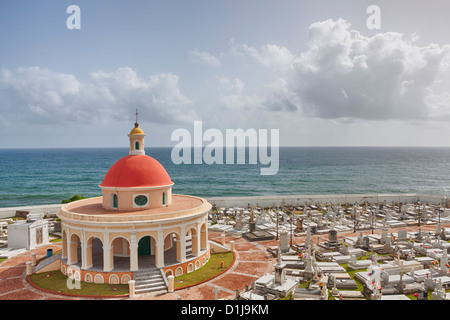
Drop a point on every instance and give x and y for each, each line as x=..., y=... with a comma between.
x=252, y=261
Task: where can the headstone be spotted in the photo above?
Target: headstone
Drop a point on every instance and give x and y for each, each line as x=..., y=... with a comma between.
x=366, y=243
x=280, y=272
x=332, y=238
x=359, y=240
x=284, y=245
x=402, y=235
x=422, y=293
x=384, y=235
x=299, y=227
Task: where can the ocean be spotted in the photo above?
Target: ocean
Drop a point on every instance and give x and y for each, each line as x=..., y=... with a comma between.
x=47, y=176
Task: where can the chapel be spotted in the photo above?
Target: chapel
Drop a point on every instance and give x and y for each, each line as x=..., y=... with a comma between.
x=137, y=224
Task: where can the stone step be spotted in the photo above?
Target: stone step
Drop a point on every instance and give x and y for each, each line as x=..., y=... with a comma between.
x=149, y=281
x=147, y=275
x=150, y=289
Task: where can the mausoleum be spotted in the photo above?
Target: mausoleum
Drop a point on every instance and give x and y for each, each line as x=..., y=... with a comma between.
x=137, y=224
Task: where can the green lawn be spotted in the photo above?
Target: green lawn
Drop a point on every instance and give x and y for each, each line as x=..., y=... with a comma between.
x=209, y=270
x=56, y=281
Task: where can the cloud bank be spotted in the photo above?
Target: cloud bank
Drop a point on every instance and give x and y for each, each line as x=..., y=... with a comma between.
x=44, y=96
x=344, y=75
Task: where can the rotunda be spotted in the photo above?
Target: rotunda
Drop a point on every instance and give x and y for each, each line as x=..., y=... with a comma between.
x=137, y=224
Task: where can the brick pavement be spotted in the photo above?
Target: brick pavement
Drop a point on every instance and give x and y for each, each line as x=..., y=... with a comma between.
x=252, y=261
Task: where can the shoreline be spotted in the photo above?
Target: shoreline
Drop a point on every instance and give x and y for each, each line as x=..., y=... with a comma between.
x=271, y=201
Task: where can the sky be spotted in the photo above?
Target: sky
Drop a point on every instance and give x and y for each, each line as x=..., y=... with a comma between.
x=315, y=70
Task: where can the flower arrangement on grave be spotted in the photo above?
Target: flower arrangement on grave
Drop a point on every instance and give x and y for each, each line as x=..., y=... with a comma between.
x=300, y=256
x=416, y=295
x=447, y=265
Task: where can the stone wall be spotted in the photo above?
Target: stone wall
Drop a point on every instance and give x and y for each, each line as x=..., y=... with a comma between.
x=277, y=200
x=11, y=212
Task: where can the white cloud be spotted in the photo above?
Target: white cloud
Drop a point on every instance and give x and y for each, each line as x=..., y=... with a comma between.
x=234, y=96
x=204, y=57
x=346, y=75
x=37, y=95
x=270, y=55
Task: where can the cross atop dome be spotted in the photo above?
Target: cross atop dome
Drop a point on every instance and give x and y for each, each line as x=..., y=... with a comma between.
x=136, y=124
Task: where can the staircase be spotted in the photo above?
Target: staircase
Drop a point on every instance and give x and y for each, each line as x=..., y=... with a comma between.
x=149, y=281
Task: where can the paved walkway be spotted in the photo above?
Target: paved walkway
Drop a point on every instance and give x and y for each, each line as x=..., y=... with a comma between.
x=13, y=283
x=252, y=262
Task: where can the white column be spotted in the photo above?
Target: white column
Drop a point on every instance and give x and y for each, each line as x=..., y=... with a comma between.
x=83, y=249
x=170, y=280
x=67, y=245
x=29, y=268
x=197, y=239
x=159, y=257
x=204, y=238
x=106, y=253
x=134, y=253
x=183, y=243
x=64, y=240
x=131, y=288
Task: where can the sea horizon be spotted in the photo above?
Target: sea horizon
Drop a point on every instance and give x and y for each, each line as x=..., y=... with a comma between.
x=35, y=176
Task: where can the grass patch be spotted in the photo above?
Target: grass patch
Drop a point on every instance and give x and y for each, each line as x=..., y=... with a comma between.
x=56, y=281
x=209, y=270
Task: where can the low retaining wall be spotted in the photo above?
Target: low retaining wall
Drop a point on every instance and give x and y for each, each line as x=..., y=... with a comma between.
x=187, y=266
x=11, y=212
x=277, y=200
x=273, y=200
x=96, y=276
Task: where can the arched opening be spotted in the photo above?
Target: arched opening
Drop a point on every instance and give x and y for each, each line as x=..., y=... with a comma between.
x=136, y=145
x=172, y=249
x=191, y=243
x=169, y=273
x=94, y=254
x=146, y=252
x=164, y=198
x=144, y=246
x=75, y=250
x=121, y=254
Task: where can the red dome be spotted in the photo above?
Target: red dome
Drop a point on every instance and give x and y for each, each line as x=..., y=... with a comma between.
x=136, y=171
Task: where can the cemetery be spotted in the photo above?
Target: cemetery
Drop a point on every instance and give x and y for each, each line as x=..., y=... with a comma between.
x=318, y=251
x=400, y=250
